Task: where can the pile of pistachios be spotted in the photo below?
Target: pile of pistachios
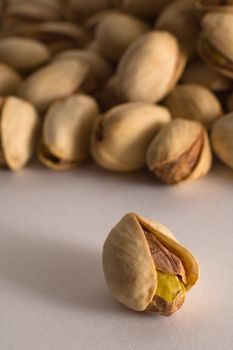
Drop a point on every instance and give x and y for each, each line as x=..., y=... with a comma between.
x=130, y=83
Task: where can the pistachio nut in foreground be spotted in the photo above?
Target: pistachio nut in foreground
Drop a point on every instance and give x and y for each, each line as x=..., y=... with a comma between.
x=18, y=130
x=215, y=45
x=65, y=139
x=150, y=67
x=194, y=102
x=9, y=80
x=146, y=268
x=214, y=5
x=222, y=139
x=57, y=80
x=180, y=152
x=121, y=137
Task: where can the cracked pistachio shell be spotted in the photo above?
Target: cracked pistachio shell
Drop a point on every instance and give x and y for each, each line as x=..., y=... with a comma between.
x=197, y=72
x=99, y=67
x=194, y=102
x=180, y=152
x=180, y=18
x=222, y=139
x=22, y=53
x=150, y=67
x=116, y=32
x=85, y=8
x=121, y=136
x=215, y=45
x=214, y=5
x=54, y=81
x=141, y=8
x=18, y=124
x=66, y=131
x=128, y=265
x=230, y=103
x=9, y=80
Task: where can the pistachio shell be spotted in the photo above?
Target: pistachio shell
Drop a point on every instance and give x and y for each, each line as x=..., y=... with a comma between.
x=150, y=67
x=194, y=102
x=23, y=53
x=9, y=80
x=92, y=22
x=116, y=32
x=214, y=5
x=222, y=139
x=180, y=152
x=54, y=81
x=120, y=137
x=179, y=17
x=19, y=124
x=128, y=265
x=215, y=45
x=197, y=72
x=66, y=132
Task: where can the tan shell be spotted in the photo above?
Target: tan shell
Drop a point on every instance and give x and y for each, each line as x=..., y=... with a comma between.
x=128, y=265
x=66, y=132
x=141, y=8
x=180, y=152
x=215, y=45
x=150, y=67
x=116, y=32
x=214, y=5
x=99, y=67
x=23, y=53
x=230, y=103
x=19, y=125
x=9, y=80
x=54, y=81
x=222, y=139
x=197, y=72
x=92, y=22
x=180, y=18
x=194, y=102
x=120, y=137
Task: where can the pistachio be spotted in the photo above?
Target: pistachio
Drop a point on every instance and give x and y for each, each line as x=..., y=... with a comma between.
x=150, y=67
x=222, y=139
x=22, y=53
x=194, y=102
x=121, y=136
x=116, y=32
x=145, y=268
x=18, y=127
x=180, y=152
x=54, y=81
x=179, y=17
x=197, y=72
x=215, y=45
x=230, y=103
x=92, y=22
x=141, y=8
x=9, y=80
x=65, y=139
x=215, y=5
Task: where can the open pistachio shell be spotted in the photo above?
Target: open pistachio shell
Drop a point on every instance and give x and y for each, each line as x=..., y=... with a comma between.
x=116, y=32
x=130, y=270
x=180, y=152
x=197, y=72
x=222, y=139
x=150, y=67
x=214, y=5
x=18, y=125
x=65, y=139
x=180, y=18
x=54, y=81
x=194, y=102
x=9, y=80
x=215, y=45
x=120, y=137
x=22, y=53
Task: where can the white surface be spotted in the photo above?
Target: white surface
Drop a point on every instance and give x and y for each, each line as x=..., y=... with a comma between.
x=52, y=291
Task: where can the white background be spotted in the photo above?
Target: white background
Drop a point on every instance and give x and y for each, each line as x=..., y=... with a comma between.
x=52, y=291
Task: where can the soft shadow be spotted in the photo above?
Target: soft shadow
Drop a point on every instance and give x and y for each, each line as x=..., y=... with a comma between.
x=54, y=271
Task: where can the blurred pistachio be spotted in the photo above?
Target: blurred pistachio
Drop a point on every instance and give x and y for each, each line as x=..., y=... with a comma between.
x=9, y=80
